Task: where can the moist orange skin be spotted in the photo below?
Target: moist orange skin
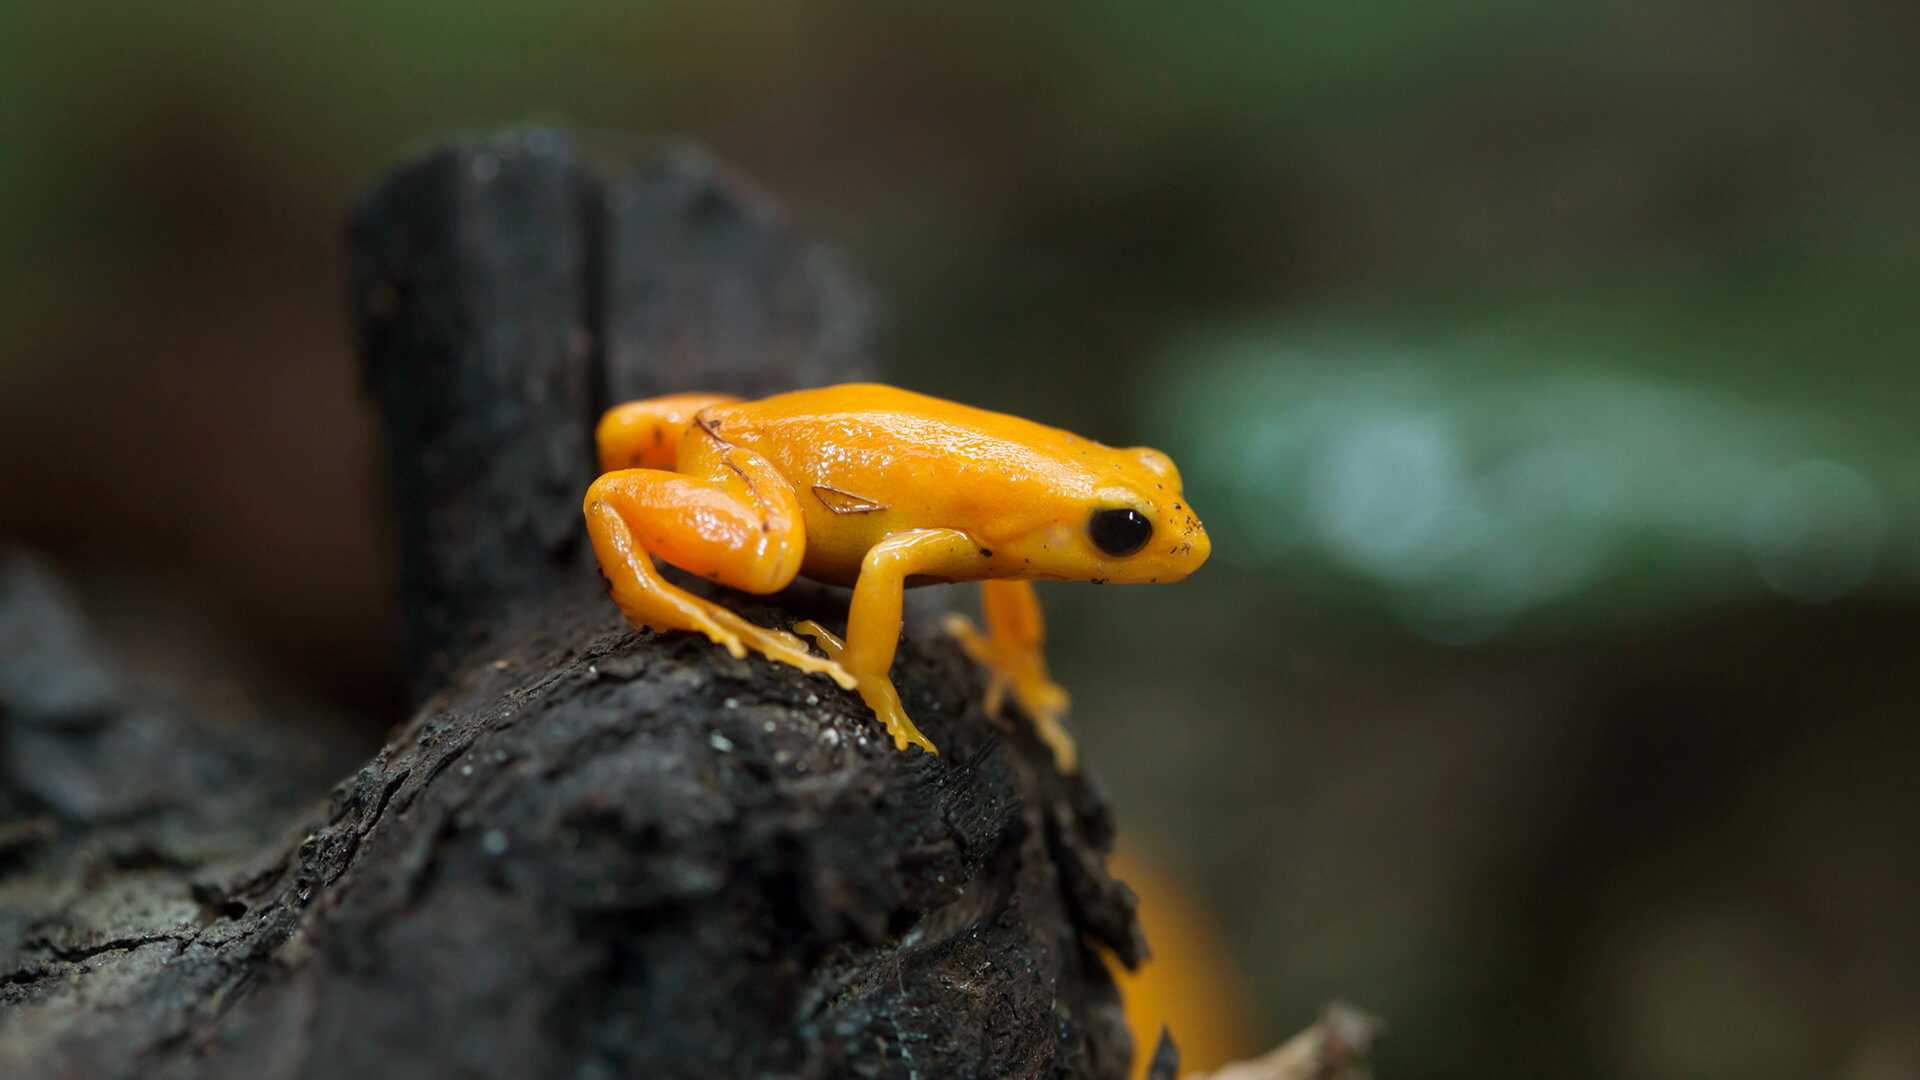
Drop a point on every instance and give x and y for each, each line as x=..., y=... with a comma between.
x=877, y=488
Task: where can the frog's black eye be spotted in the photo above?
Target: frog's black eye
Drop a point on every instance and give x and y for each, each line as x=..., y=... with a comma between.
x=1119, y=532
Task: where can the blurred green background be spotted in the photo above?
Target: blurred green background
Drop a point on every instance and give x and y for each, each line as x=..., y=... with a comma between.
x=1544, y=372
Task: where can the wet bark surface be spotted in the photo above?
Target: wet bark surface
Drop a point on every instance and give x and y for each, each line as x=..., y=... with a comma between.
x=592, y=851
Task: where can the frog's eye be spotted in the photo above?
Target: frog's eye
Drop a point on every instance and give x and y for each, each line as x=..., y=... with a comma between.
x=1119, y=532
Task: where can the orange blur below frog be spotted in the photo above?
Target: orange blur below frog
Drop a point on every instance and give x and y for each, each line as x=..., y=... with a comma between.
x=878, y=488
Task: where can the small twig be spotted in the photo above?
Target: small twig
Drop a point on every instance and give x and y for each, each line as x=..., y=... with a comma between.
x=1334, y=1048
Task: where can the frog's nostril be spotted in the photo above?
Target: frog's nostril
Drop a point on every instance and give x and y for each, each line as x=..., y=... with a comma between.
x=1201, y=546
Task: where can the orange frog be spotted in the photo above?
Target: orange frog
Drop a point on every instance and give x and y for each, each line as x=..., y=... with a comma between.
x=878, y=488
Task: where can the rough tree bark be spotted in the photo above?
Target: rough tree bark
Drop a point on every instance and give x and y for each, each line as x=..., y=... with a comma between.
x=591, y=852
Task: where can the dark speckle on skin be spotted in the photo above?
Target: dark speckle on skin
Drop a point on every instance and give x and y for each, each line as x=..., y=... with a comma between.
x=985, y=554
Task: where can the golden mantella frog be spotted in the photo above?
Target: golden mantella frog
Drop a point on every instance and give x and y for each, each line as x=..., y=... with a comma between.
x=878, y=488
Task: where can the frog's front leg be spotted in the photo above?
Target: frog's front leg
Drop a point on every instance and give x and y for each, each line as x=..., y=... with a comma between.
x=873, y=622
x=728, y=516
x=1012, y=652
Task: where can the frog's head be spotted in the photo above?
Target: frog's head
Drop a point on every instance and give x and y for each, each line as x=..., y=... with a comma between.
x=1133, y=526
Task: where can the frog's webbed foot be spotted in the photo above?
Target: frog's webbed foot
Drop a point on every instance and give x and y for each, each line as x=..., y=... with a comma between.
x=779, y=645
x=647, y=599
x=979, y=648
x=876, y=691
x=1010, y=650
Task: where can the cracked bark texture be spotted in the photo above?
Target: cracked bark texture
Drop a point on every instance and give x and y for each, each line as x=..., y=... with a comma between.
x=591, y=852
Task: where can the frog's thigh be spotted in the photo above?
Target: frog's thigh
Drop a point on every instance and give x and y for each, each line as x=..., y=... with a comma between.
x=873, y=622
x=705, y=527
x=726, y=515
x=1012, y=652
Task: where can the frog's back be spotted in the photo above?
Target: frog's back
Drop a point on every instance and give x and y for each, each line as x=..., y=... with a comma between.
x=867, y=430
x=869, y=460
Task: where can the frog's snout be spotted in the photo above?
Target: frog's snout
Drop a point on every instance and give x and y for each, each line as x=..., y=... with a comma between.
x=1179, y=546
x=1195, y=545
x=1199, y=546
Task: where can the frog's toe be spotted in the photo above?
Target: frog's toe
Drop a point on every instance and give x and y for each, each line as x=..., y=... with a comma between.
x=996, y=696
x=798, y=656
x=720, y=635
x=789, y=642
x=1039, y=696
x=1045, y=702
x=884, y=700
x=828, y=641
x=972, y=641
x=1066, y=756
x=905, y=734
x=785, y=648
x=830, y=644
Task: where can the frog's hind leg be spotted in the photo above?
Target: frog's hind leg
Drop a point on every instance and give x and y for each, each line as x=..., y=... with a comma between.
x=1012, y=651
x=735, y=521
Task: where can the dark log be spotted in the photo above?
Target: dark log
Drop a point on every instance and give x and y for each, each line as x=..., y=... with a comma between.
x=594, y=851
